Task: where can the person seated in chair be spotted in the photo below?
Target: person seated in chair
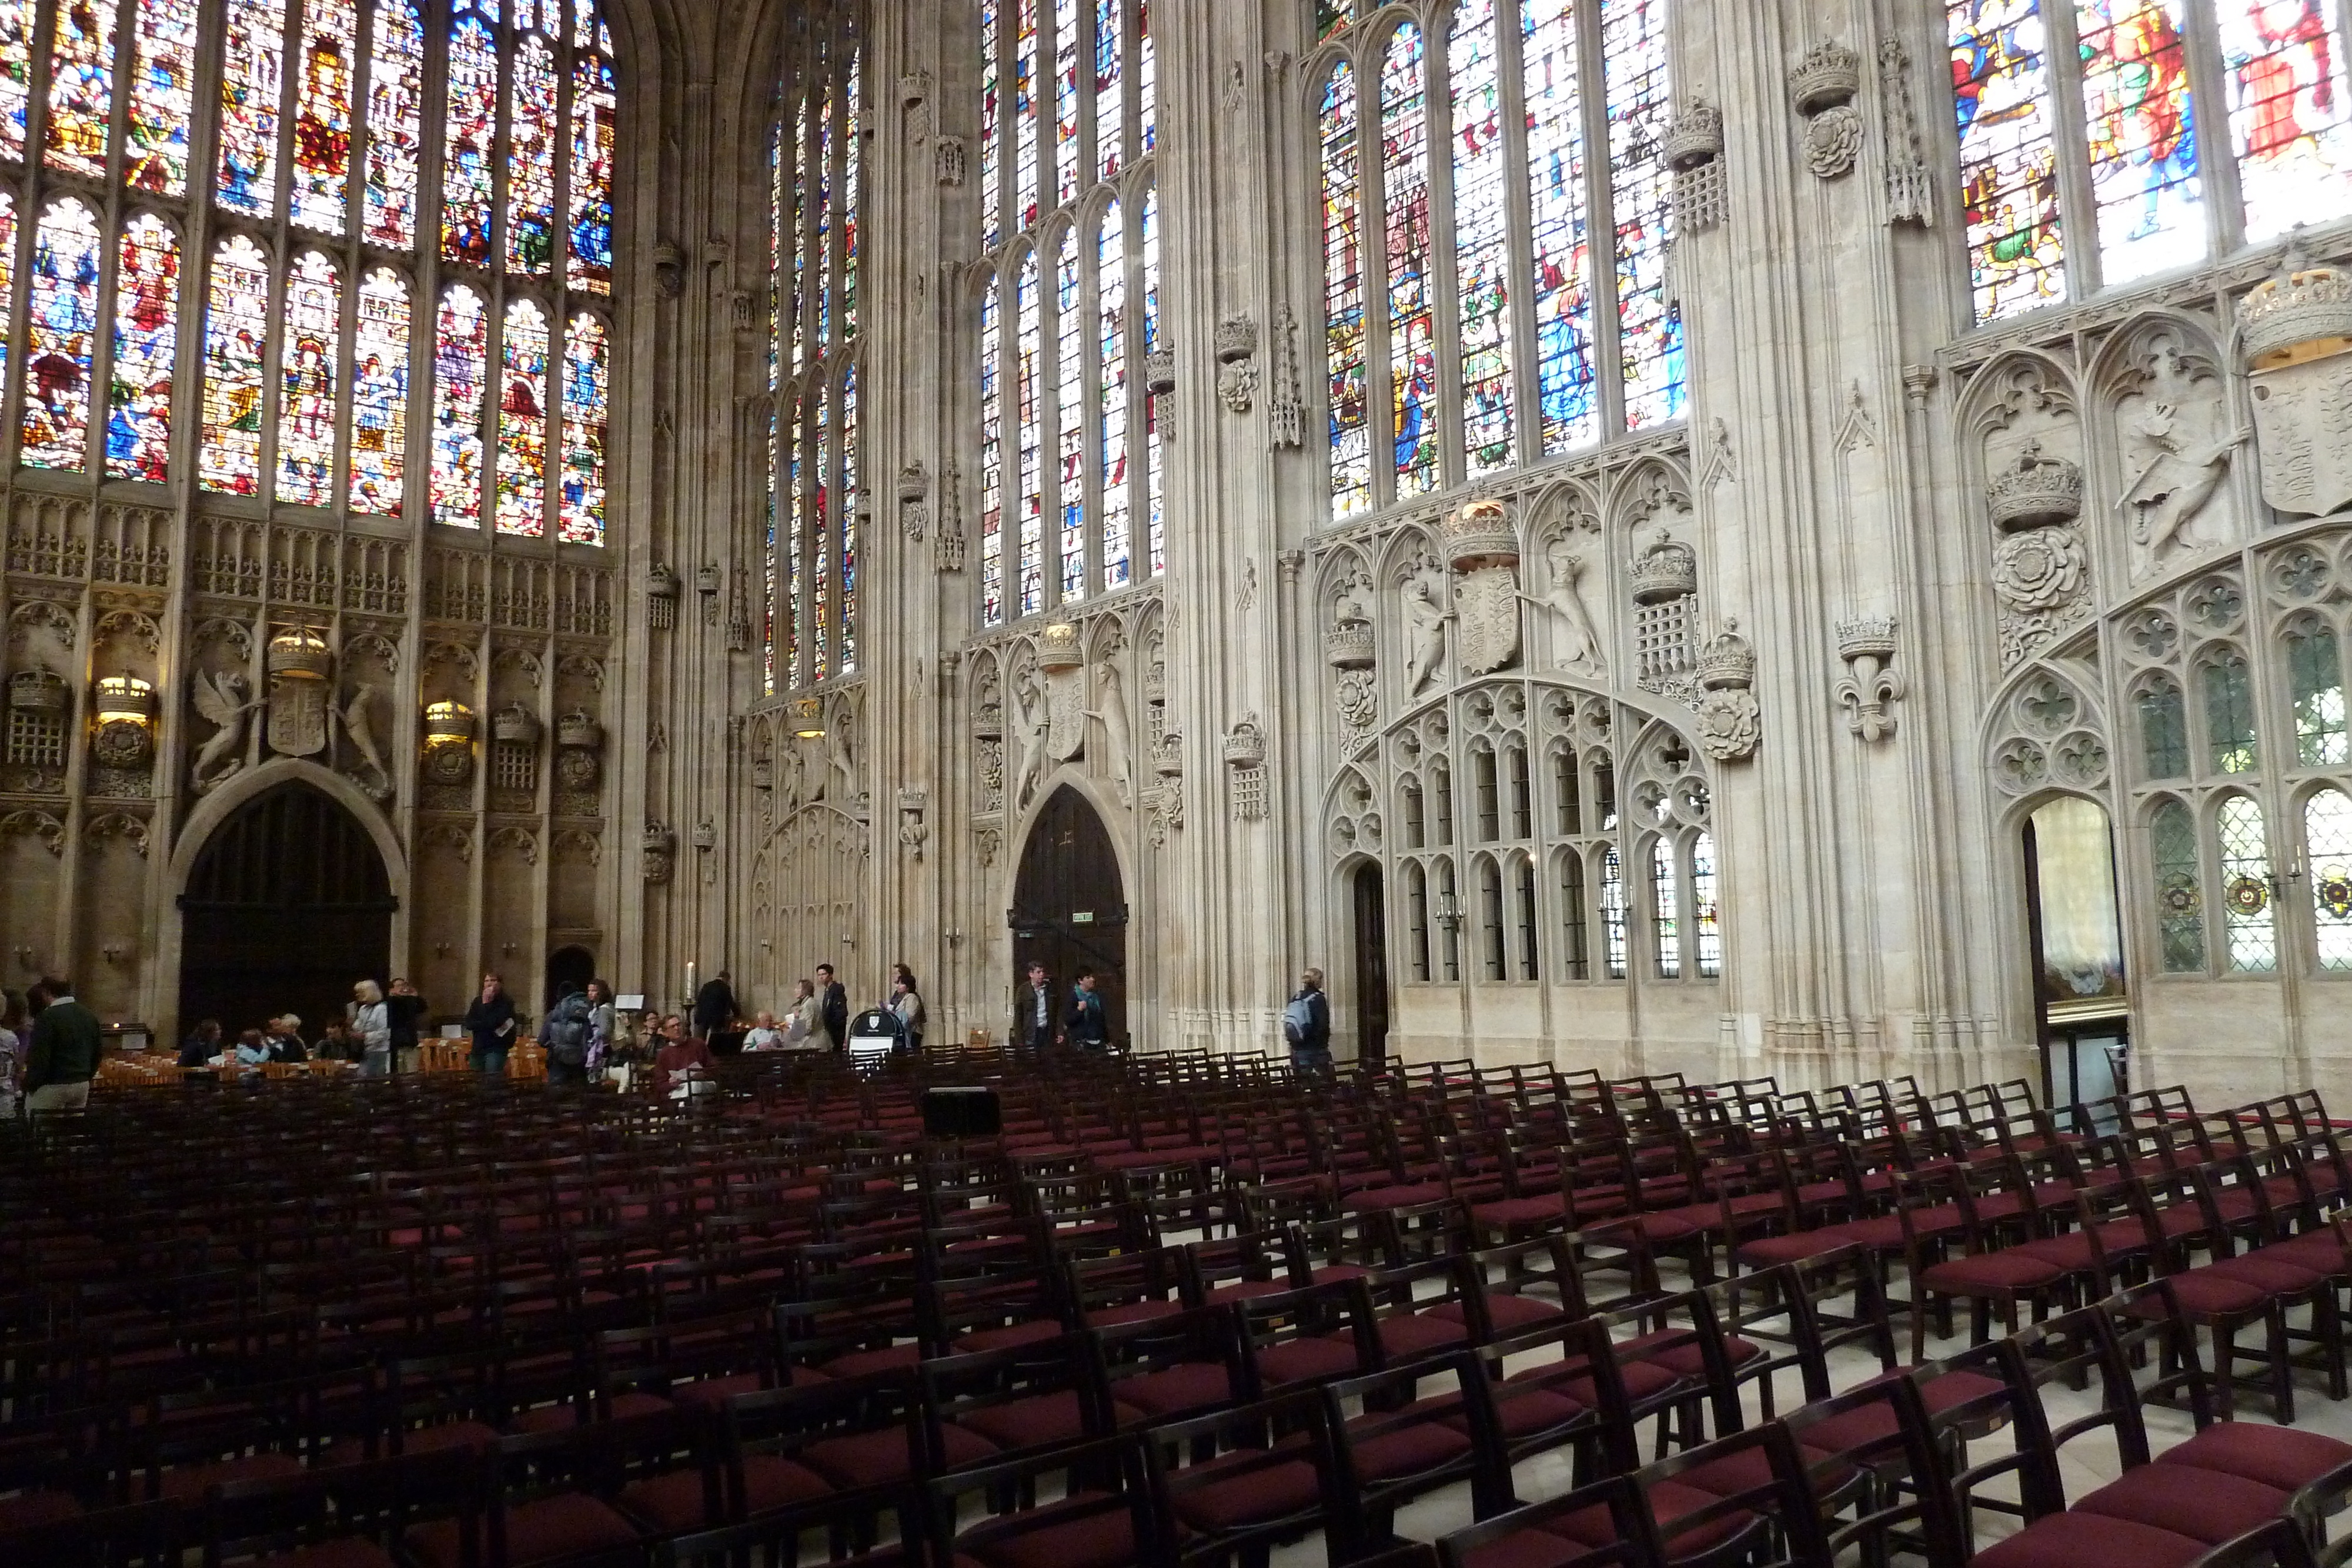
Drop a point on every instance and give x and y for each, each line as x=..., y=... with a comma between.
x=683, y=1064
x=286, y=1039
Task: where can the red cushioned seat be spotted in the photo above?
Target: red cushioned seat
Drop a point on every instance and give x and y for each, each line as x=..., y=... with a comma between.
x=1681, y=1354
x=1245, y=1291
x=1770, y=1252
x=2180, y=1218
x=2204, y=1505
x=2282, y=1456
x=1090, y=1535
x=1406, y=1337
x=862, y=1362
x=1868, y=1424
x=1301, y=1359
x=1130, y=1312
x=1179, y=1390
x=1039, y=1421
x=1508, y=1311
x=28, y=1509
x=1659, y=1227
x=1408, y=1450
x=1986, y=1273
x=1505, y=1212
x=570, y=1524
x=882, y=1458
x=1384, y=1197
x=713, y=1392
x=771, y=1482
x=1753, y=1468
x=1642, y=1379
x=1008, y=1336
x=2084, y=1539
x=2313, y=1248
x=672, y=1503
x=187, y=1483
x=1669, y=1500
x=2203, y=1293
x=354, y=1551
x=1814, y=1192
x=2073, y=1251
x=561, y=1418
x=2278, y=1276
x=1258, y=1496
x=1524, y=1410
x=1885, y=1231
x=1527, y=1549
x=1330, y=1273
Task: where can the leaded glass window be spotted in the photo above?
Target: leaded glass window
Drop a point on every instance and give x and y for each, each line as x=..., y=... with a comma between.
x=309, y=372
x=1531, y=944
x=1416, y=916
x=2164, y=93
x=1441, y=797
x=2163, y=730
x=1707, y=915
x=1068, y=313
x=1449, y=923
x=1482, y=781
x=2179, y=889
x=1666, y=909
x=812, y=569
x=2247, y=923
x=1490, y=907
x=1613, y=933
x=2327, y=856
x=2228, y=715
x=1522, y=822
x=1432, y=380
x=1575, y=960
x=2316, y=675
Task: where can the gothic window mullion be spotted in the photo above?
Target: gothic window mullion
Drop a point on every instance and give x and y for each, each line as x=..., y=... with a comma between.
x=1373, y=248
x=117, y=117
x=1441, y=281
x=422, y=265
x=36, y=105
x=1527, y=437
x=290, y=98
x=2217, y=169
x=2077, y=207
x=1600, y=252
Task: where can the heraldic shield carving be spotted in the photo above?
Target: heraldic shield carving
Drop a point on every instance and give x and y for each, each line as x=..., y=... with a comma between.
x=2303, y=416
x=298, y=665
x=1487, y=608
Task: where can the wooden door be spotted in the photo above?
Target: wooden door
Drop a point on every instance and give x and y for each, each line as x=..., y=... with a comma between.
x=1069, y=908
x=1371, y=965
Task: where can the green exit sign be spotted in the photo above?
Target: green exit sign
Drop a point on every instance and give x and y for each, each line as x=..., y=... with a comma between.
x=1082, y=917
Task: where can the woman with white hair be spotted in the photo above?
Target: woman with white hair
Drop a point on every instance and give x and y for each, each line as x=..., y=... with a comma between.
x=371, y=1026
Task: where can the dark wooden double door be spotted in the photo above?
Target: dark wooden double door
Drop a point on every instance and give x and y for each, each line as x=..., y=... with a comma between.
x=1069, y=908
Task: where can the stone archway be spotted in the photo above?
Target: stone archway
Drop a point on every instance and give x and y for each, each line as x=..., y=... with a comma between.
x=1070, y=904
x=287, y=902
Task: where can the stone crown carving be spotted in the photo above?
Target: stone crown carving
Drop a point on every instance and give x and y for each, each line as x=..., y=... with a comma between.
x=1479, y=533
x=1246, y=745
x=1348, y=645
x=1866, y=636
x=2306, y=302
x=301, y=652
x=658, y=838
x=1666, y=571
x=1829, y=75
x=1168, y=757
x=2035, y=489
x=1159, y=372
x=515, y=722
x=662, y=582
x=39, y=691
x=578, y=731
x=1727, y=663
x=1057, y=646
x=1236, y=339
x=1694, y=138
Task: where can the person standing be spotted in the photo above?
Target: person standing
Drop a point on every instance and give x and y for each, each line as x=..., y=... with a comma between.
x=1307, y=1024
x=603, y=1024
x=1088, y=1027
x=201, y=1046
x=371, y=1030
x=565, y=1033
x=834, y=996
x=403, y=1010
x=12, y=1053
x=806, y=1031
x=64, y=1055
x=1033, y=1018
x=714, y=1006
x=491, y=1019
x=908, y=1005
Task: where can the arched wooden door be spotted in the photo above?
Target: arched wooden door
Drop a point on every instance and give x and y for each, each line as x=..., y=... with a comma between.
x=1069, y=908
x=1371, y=964
x=288, y=905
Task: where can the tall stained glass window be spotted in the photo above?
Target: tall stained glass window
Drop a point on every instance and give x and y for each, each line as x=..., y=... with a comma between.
x=309, y=369
x=523, y=421
x=2180, y=899
x=2049, y=214
x=2327, y=850
x=1074, y=506
x=1666, y=909
x=1520, y=86
x=814, y=477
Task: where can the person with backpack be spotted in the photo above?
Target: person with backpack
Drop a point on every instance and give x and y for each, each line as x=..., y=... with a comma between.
x=1307, y=1024
x=565, y=1034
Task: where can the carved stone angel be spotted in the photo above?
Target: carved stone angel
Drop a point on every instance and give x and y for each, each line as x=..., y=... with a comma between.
x=222, y=700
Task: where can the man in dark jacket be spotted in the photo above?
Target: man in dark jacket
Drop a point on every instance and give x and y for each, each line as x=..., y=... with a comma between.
x=1088, y=1027
x=403, y=1010
x=1307, y=1024
x=836, y=997
x=286, y=1039
x=491, y=1022
x=64, y=1055
x=201, y=1046
x=1034, y=1020
x=714, y=1006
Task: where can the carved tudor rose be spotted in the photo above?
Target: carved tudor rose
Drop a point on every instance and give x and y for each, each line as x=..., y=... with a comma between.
x=1730, y=724
x=2041, y=568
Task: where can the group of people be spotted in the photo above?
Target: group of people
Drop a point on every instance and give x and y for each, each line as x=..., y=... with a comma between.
x=377, y=1032
x=816, y=1020
x=49, y=1045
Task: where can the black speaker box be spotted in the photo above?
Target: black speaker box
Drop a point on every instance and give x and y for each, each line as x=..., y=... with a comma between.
x=962, y=1113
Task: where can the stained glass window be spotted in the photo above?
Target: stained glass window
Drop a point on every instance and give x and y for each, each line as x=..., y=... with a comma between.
x=2180, y=902
x=1562, y=276
x=1028, y=396
x=530, y=159
x=1613, y=933
x=1110, y=98
x=1576, y=961
x=2142, y=136
x=819, y=515
x=237, y=331
x=461, y=368
x=1480, y=248
x=15, y=75
x=2290, y=112
x=2327, y=850
x=146, y=341
x=380, y=395
x=1649, y=327
x=795, y=509
x=848, y=512
x=587, y=417
x=1155, y=474
x=322, y=114
x=849, y=155
x=820, y=208
x=469, y=130
x=991, y=458
x=396, y=107
x=992, y=126
x=60, y=336
x=2246, y=916
x=1067, y=152
x=1147, y=77
x=2230, y=715
x=1404, y=200
x=1111, y=271
x=1706, y=917
x=2317, y=675
x=595, y=106
x=1666, y=909
x=2163, y=730
x=2008, y=162
x=523, y=421
x=81, y=86
x=308, y=380
x=1024, y=112
x=1343, y=303
x=1069, y=417
x=774, y=633
x=252, y=57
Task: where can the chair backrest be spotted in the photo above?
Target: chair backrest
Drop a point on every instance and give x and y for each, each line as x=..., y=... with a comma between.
x=1631, y=1540
x=377, y=1500
x=1775, y=1514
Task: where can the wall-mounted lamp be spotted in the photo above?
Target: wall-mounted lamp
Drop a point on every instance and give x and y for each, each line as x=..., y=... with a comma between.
x=509, y=949
x=808, y=718
x=25, y=958
x=1448, y=910
x=114, y=951
x=955, y=935
x=124, y=733
x=441, y=949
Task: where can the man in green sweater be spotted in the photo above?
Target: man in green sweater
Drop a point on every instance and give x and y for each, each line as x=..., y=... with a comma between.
x=64, y=1057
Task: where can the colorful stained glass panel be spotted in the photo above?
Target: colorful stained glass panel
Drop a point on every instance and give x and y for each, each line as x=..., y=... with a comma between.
x=1110, y=297
x=530, y=160
x=1563, y=280
x=251, y=64
x=846, y=663
x=1069, y=417
x=1110, y=93
x=1481, y=239
x=587, y=417
x=2008, y=162
x=991, y=456
x=60, y=336
x=1404, y=199
x=162, y=96
x=522, y=422
x=469, y=136
x=461, y=363
x=1029, y=392
x=237, y=333
x=992, y=126
x=308, y=380
x=322, y=115
x=81, y=86
x=2290, y=112
x=2142, y=129
x=15, y=74
x=394, y=123
x=1026, y=128
x=1066, y=143
x=1155, y=467
x=1649, y=325
x=146, y=344
x=380, y=395
x=595, y=106
x=1343, y=297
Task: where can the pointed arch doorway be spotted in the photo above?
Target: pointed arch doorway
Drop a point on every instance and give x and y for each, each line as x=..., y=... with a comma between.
x=288, y=904
x=1069, y=905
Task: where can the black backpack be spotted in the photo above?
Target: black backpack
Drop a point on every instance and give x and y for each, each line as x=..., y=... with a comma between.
x=567, y=1031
